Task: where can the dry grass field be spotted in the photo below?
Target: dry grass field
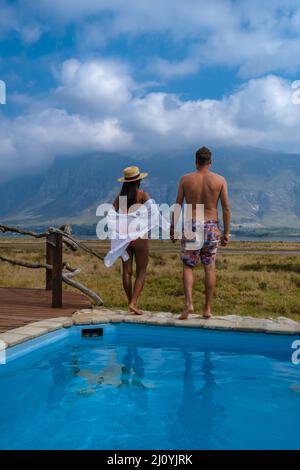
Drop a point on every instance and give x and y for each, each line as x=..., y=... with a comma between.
x=254, y=278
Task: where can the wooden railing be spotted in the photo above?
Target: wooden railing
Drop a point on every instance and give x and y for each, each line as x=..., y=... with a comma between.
x=54, y=258
x=57, y=271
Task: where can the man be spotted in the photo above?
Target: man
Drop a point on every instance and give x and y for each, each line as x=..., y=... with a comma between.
x=207, y=188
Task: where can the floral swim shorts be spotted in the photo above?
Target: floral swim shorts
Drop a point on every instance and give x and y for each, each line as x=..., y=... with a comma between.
x=207, y=254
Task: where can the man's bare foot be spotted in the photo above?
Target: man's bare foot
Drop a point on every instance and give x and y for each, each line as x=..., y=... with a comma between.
x=207, y=313
x=134, y=308
x=185, y=313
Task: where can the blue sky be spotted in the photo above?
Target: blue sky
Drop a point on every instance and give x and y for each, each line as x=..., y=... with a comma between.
x=26, y=62
x=108, y=75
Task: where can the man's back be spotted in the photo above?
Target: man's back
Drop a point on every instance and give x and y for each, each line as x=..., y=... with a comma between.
x=204, y=187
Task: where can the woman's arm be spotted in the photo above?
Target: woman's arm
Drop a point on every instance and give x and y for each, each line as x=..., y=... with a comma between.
x=116, y=203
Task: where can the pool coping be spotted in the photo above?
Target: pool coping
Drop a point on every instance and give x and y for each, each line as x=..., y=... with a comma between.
x=280, y=325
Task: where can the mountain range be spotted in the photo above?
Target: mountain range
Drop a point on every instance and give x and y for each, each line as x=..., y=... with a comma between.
x=264, y=187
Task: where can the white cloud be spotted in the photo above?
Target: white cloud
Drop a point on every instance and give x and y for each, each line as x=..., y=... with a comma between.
x=30, y=33
x=7, y=19
x=100, y=85
x=254, y=36
x=13, y=18
x=260, y=113
x=168, y=68
x=180, y=18
x=103, y=110
x=32, y=141
x=98, y=106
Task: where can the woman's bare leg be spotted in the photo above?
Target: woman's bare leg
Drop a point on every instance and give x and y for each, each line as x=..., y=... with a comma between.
x=141, y=251
x=127, y=276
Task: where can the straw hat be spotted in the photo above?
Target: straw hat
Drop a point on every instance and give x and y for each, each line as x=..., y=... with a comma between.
x=132, y=173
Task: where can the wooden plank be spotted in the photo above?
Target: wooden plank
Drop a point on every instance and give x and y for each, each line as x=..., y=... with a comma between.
x=19, y=307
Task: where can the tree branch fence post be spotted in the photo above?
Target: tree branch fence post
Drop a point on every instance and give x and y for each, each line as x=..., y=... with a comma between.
x=49, y=260
x=54, y=245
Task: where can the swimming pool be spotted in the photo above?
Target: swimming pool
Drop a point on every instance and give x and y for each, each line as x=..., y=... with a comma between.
x=151, y=387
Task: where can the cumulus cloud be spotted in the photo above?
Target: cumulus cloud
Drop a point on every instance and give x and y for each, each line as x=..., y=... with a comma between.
x=102, y=109
x=100, y=85
x=260, y=113
x=29, y=143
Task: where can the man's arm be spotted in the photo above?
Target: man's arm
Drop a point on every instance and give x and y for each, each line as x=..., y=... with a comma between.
x=177, y=211
x=226, y=213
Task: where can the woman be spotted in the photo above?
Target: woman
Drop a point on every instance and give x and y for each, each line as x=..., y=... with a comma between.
x=137, y=248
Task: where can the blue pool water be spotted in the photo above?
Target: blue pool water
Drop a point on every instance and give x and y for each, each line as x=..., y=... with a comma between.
x=148, y=387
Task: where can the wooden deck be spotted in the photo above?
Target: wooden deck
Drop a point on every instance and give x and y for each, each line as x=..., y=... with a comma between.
x=19, y=307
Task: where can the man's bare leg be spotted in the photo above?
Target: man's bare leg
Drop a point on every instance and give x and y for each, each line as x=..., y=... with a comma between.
x=210, y=283
x=188, y=283
x=127, y=277
x=141, y=251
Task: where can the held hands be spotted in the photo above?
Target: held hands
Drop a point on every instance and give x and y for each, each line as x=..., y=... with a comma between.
x=224, y=239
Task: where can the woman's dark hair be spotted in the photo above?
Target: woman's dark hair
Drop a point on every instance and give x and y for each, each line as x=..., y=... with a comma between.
x=130, y=190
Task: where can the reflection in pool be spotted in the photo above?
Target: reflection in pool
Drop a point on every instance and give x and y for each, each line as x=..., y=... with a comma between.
x=149, y=387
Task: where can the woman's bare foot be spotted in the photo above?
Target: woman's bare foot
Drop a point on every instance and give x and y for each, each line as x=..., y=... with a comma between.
x=134, y=308
x=185, y=313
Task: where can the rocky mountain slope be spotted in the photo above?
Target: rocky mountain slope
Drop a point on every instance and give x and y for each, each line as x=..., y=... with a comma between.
x=264, y=186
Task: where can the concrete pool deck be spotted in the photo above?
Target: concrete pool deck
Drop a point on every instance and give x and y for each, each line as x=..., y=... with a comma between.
x=280, y=325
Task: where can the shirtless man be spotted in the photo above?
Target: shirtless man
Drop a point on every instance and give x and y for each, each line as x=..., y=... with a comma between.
x=207, y=188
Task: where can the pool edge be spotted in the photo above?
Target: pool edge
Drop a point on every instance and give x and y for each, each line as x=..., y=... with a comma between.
x=280, y=326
